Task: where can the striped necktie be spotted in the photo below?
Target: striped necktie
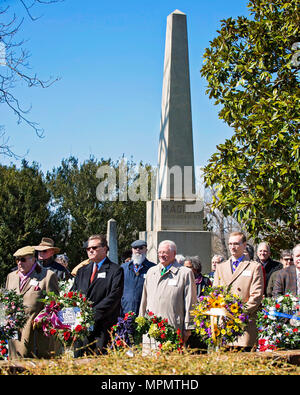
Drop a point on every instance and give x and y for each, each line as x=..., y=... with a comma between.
x=94, y=273
x=235, y=265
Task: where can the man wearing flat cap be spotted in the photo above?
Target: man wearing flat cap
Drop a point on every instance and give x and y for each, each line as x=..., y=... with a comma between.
x=134, y=276
x=46, y=251
x=30, y=280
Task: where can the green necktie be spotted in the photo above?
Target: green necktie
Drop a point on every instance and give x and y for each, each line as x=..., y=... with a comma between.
x=163, y=271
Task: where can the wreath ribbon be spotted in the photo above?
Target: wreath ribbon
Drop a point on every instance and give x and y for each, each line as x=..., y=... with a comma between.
x=278, y=314
x=216, y=313
x=51, y=311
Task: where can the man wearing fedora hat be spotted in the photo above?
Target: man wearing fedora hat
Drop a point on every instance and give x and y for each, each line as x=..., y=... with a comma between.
x=30, y=280
x=46, y=251
x=134, y=276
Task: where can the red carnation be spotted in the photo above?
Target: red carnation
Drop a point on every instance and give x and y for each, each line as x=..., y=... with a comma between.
x=78, y=328
x=277, y=305
x=67, y=335
x=3, y=351
x=70, y=294
x=52, y=331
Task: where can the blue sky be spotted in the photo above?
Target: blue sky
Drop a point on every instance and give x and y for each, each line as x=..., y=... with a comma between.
x=109, y=57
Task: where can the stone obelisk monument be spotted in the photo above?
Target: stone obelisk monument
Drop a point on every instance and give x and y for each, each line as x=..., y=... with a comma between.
x=176, y=213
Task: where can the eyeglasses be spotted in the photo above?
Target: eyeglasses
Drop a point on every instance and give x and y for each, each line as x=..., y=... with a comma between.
x=138, y=248
x=94, y=248
x=21, y=259
x=288, y=259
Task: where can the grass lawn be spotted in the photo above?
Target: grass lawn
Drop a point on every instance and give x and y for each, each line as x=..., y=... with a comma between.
x=216, y=363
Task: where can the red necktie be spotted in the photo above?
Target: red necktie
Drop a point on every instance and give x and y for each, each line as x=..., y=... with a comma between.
x=94, y=273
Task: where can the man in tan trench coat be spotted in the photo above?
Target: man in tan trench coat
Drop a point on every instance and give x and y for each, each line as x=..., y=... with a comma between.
x=246, y=280
x=30, y=280
x=169, y=290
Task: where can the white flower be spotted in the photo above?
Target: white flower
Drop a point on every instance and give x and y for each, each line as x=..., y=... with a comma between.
x=279, y=299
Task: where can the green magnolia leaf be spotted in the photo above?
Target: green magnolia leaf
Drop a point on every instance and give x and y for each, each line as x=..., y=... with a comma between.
x=260, y=100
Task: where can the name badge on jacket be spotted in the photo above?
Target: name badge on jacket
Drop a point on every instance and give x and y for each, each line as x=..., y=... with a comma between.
x=247, y=273
x=34, y=282
x=101, y=275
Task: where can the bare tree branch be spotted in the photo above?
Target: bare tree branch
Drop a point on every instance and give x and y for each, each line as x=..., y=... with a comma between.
x=15, y=70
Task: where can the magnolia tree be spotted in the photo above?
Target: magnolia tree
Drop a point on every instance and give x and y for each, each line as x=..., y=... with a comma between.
x=252, y=70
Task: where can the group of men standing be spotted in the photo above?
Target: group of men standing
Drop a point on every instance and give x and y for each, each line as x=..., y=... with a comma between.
x=167, y=289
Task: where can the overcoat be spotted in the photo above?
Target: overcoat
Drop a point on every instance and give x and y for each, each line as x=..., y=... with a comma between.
x=170, y=296
x=32, y=342
x=133, y=286
x=248, y=283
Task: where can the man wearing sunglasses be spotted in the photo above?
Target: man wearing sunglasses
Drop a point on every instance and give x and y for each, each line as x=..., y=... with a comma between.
x=102, y=282
x=31, y=280
x=288, y=279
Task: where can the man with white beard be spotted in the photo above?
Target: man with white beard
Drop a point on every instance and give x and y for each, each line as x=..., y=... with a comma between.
x=134, y=276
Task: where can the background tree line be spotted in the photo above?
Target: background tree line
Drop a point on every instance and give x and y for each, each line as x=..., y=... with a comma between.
x=63, y=205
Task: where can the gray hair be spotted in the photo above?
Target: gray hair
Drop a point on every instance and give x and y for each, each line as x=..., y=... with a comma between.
x=218, y=256
x=294, y=249
x=285, y=253
x=264, y=243
x=195, y=261
x=171, y=244
x=180, y=258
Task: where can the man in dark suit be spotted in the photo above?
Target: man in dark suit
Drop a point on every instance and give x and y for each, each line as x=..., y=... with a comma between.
x=288, y=279
x=102, y=282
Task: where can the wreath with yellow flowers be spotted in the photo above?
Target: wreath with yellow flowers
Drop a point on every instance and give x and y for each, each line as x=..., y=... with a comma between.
x=220, y=317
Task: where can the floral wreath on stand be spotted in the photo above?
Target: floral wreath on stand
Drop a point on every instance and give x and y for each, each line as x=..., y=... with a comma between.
x=12, y=318
x=68, y=317
x=128, y=332
x=278, y=323
x=220, y=317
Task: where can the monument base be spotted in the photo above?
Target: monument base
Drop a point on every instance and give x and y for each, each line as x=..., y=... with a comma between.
x=188, y=243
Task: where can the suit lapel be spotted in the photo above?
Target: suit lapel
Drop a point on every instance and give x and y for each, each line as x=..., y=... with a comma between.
x=103, y=269
x=16, y=282
x=86, y=277
x=293, y=280
x=34, y=276
x=239, y=270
